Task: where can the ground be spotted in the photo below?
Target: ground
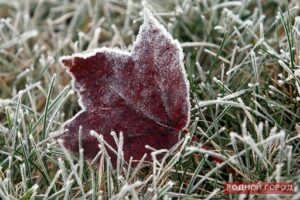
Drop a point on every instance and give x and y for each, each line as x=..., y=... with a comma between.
x=242, y=62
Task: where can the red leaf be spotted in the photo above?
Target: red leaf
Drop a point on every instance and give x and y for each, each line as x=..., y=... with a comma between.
x=144, y=94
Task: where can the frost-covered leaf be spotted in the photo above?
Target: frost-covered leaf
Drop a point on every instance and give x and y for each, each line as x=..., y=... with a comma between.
x=143, y=94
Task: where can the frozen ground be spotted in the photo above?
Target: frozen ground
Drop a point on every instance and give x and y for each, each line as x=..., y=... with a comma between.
x=242, y=61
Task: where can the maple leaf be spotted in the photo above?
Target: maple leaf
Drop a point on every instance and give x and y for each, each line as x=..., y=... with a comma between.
x=143, y=94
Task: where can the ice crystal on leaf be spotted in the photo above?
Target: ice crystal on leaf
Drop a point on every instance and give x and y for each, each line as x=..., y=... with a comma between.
x=143, y=94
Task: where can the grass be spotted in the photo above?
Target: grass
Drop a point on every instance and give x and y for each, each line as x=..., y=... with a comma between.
x=242, y=60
